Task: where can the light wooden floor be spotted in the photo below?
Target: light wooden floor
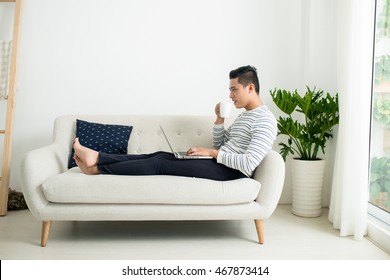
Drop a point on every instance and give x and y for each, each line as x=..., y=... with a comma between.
x=286, y=237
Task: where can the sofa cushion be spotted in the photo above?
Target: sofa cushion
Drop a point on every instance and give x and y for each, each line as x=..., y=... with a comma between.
x=73, y=186
x=108, y=138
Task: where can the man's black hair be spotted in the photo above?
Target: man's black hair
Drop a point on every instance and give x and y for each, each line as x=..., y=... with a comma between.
x=246, y=75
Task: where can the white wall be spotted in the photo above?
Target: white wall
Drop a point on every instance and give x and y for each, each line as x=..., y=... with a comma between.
x=146, y=57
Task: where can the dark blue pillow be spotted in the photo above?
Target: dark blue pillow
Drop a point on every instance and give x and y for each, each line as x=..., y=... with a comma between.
x=108, y=138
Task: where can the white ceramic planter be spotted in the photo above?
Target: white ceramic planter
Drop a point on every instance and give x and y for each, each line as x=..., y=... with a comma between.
x=307, y=182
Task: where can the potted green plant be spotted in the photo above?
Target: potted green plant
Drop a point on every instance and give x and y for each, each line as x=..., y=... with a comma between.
x=380, y=182
x=382, y=47
x=382, y=68
x=381, y=113
x=308, y=123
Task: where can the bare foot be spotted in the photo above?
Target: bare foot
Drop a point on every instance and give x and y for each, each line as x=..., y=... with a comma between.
x=88, y=170
x=86, y=156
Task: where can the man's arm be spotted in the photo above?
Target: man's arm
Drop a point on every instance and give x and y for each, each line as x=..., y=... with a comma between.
x=205, y=151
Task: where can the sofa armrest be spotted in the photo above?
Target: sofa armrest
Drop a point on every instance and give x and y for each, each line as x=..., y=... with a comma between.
x=270, y=173
x=37, y=166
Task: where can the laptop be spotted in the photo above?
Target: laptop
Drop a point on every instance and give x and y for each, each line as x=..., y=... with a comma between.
x=182, y=155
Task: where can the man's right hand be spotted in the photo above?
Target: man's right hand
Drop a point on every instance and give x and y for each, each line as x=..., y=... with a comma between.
x=219, y=120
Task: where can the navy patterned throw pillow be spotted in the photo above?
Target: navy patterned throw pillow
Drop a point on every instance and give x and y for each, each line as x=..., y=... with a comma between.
x=108, y=138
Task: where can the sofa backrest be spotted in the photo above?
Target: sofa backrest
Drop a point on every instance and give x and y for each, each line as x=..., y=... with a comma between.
x=146, y=137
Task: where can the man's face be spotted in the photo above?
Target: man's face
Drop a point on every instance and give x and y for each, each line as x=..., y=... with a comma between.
x=238, y=93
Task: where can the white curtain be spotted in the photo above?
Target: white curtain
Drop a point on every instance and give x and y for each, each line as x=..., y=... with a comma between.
x=348, y=205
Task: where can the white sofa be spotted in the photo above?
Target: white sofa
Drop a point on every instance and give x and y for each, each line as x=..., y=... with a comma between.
x=55, y=193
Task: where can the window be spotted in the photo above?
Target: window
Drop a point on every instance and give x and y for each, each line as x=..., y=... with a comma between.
x=379, y=188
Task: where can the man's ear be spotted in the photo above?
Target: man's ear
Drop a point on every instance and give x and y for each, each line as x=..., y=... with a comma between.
x=251, y=88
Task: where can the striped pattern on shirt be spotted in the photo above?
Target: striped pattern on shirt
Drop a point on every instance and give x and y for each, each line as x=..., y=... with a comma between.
x=246, y=142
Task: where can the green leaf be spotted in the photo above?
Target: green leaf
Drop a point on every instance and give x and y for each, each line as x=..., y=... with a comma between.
x=380, y=174
x=381, y=111
x=284, y=100
x=285, y=150
x=289, y=127
x=375, y=189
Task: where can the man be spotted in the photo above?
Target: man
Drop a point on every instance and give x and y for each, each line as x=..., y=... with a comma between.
x=237, y=151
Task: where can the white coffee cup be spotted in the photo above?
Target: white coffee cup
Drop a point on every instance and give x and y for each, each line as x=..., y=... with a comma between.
x=224, y=109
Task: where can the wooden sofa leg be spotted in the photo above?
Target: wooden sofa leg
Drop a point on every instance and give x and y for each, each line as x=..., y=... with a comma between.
x=46, y=225
x=260, y=230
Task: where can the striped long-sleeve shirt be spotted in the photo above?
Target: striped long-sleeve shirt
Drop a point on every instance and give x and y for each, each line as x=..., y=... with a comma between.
x=246, y=142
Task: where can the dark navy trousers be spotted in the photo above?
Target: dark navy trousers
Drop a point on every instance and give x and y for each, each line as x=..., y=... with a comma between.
x=163, y=163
